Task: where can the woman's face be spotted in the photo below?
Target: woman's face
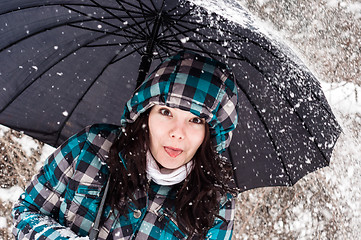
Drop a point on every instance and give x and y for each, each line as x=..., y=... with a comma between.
x=175, y=135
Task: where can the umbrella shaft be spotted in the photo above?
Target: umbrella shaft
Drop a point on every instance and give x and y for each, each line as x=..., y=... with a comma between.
x=147, y=58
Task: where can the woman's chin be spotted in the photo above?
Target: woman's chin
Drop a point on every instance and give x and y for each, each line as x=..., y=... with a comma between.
x=169, y=164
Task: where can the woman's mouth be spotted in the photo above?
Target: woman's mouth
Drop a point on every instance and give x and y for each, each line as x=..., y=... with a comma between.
x=173, y=152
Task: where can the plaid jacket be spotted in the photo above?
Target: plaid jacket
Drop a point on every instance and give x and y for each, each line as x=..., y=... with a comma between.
x=62, y=200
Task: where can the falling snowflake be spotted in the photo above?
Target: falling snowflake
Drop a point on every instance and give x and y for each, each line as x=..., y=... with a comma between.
x=184, y=40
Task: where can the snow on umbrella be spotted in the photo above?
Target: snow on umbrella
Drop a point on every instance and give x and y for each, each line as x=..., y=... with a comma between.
x=66, y=64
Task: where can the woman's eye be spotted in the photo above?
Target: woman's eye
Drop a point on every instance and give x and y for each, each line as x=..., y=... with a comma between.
x=165, y=112
x=197, y=120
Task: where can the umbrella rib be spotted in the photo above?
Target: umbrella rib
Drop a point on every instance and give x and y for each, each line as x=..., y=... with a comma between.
x=45, y=70
x=205, y=52
x=192, y=49
x=100, y=20
x=226, y=31
x=159, y=11
x=109, y=33
x=58, y=4
x=176, y=8
x=164, y=49
x=296, y=113
x=167, y=28
x=194, y=31
x=151, y=1
x=176, y=34
x=53, y=27
x=215, y=54
x=174, y=21
x=171, y=30
x=205, y=40
x=199, y=46
x=141, y=12
x=126, y=55
x=279, y=155
x=125, y=29
x=82, y=97
x=141, y=7
x=144, y=12
x=105, y=9
x=178, y=22
x=154, y=7
x=128, y=43
x=160, y=57
x=304, y=122
x=113, y=44
x=268, y=130
x=149, y=10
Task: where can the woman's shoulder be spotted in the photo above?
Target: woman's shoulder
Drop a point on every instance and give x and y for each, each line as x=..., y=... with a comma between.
x=99, y=139
x=101, y=132
x=102, y=128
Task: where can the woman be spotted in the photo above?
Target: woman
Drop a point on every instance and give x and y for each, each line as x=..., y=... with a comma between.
x=166, y=178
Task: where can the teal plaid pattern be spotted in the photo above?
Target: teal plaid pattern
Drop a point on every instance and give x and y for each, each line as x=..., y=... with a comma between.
x=61, y=202
x=194, y=83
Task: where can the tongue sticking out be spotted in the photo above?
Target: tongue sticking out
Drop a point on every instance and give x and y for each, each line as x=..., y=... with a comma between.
x=173, y=152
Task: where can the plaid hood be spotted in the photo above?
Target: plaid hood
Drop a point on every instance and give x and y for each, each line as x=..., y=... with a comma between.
x=191, y=82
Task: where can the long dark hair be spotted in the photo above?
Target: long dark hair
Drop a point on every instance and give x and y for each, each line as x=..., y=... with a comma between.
x=198, y=198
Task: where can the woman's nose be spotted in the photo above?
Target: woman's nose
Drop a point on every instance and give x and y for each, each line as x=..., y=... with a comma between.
x=177, y=132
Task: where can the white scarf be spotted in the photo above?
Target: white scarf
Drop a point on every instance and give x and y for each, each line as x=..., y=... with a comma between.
x=164, y=176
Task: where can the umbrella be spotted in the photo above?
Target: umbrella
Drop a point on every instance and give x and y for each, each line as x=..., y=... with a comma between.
x=66, y=64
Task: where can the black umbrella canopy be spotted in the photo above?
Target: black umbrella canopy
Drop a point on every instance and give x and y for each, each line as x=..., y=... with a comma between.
x=67, y=64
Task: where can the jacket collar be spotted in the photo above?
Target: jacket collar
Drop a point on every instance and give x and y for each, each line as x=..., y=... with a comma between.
x=165, y=191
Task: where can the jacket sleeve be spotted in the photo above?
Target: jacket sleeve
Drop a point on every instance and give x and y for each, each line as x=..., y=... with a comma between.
x=223, y=224
x=36, y=213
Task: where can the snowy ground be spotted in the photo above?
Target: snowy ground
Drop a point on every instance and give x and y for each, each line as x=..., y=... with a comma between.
x=326, y=204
